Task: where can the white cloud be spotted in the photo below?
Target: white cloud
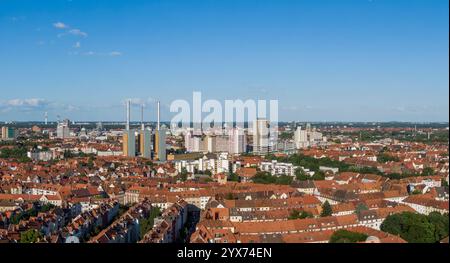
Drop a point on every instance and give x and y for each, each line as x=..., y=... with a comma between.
x=110, y=54
x=72, y=108
x=77, y=32
x=115, y=53
x=16, y=18
x=33, y=102
x=60, y=25
x=24, y=105
x=77, y=44
x=74, y=32
x=89, y=53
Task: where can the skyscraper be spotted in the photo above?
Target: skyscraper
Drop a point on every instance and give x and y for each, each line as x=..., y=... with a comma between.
x=63, y=130
x=301, y=138
x=261, y=134
x=9, y=133
x=307, y=137
x=237, y=141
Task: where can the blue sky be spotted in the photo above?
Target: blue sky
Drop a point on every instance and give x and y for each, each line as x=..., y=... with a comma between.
x=346, y=60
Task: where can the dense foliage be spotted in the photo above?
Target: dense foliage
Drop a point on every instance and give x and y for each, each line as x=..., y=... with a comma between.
x=326, y=209
x=147, y=223
x=30, y=236
x=345, y=236
x=295, y=214
x=361, y=207
x=233, y=177
x=384, y=158
x=300, y=175
x=267, y=178
x=19, y=153
x=417, y=228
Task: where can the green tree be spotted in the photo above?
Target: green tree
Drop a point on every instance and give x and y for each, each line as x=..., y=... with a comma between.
x=305, y=214
x=233, y=177
x=345, y=236
x=384, y=158
x=427, y=171
x=183, y=174
x=301, y=175
x=295, y=214
x=326, y=209
x=441, y=225
x=90, y=163
x=412, y=227
x=416, y=192
x=318, y=175
x=286, y=135
x=30, y=236
x=361, y=207
x=229, y=196
x=145, y=224
x=267, y=178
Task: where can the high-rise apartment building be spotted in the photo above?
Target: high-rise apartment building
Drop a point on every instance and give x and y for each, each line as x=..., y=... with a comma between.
x=307, y=137
x=63, y=130
x=237, y=141
x=301, y=138
x=9, y=133
x=261, y=136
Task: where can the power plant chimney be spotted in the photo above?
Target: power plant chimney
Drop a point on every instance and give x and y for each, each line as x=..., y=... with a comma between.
x=142, y=117
x=158, y=125
x=128, y=115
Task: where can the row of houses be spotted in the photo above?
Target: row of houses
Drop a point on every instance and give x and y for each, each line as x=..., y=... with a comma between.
x=167, y=228
x=126, y=229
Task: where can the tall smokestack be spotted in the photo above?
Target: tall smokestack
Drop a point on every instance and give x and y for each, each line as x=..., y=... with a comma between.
x=128, y=115
x=158, y=125
x=142, y=117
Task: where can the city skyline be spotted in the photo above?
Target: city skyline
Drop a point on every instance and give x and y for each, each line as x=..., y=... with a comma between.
x=323, y=60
